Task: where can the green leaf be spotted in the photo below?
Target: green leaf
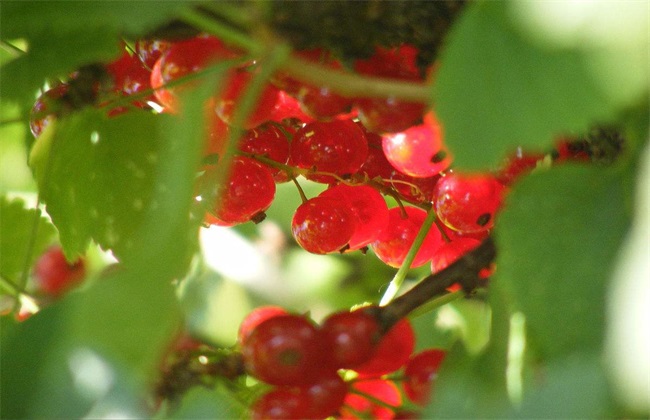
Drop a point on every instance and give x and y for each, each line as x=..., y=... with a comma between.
x=18, y=226
x=96, y=177
x=201, y=403
x=497, y=88
x=558, y=236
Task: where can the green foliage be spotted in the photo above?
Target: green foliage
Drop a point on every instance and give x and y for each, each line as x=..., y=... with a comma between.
x=565, y=224
x=18, y=225
x=498, y=89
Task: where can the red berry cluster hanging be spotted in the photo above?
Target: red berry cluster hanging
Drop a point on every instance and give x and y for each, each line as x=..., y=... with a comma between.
x=305, y=364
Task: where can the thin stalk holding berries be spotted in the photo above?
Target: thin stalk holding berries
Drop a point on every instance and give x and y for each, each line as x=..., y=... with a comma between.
x=400, y=276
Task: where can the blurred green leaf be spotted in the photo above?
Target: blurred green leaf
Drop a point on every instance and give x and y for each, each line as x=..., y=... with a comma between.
x=17, y=224
x=217, y=403
x=96, y=177
x=497, y=89
x=558, y=236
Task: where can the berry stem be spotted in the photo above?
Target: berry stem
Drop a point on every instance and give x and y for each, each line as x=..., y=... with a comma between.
x=400, y=276
x=225, y=33
x=437, y=303
x=464, y=271
x=10, y=287
x=303, y=197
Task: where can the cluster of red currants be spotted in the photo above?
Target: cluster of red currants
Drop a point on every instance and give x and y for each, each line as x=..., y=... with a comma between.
x=361, y=147
x=337, y=368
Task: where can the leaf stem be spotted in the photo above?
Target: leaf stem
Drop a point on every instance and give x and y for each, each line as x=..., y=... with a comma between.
x=403, y=270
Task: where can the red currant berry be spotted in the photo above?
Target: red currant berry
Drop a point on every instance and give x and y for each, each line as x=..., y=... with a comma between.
x=392, y=352
x=367, y=205
x=284, y=350
x=350, y=337
x=323, y=104
x=248, y=191
x=390, y=115
x=255, y=318
x=468, y=203
x=357, y=406
x=338, y=146
x=417, y=151
x=516, y=165
x=420, y=374
x=130, y=77
x=325, y=395
x=280, y=404
x=41, y=114
x=269, y=141
x=395, y=241
x=449, y=252
x=182, y=59
x=230, y=96
x=288, y=107
x=54, y=275
x=322, y=225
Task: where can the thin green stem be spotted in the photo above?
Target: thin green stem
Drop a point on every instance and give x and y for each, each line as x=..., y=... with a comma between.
x=225, y=33
x=10, y=287
x=400, y=276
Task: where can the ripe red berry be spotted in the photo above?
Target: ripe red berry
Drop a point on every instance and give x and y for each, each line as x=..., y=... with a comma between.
x=129, y=74
x=229, y=98
x=395, y=241
x=325, y=396
x=280, y=404
x=284, y=350
x=266, y=140
x=248, y=191
x=449, y=252
x=390, y=115
x=466, y=202
x=42, y=111
x=338, y=146
x=417, y=151
x=181, y=59
x=367, y=205
x=516, y=165
x=350, y=337
x=150, y=50
x=420, y=374
x=255, y=318
x=392, y=352
x=357, y=406
x=322, y=225
x=54, y=275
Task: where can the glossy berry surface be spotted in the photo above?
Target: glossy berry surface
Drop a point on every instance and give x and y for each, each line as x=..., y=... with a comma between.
x=417, y=151
x=266, y=140
x=249, y=190
x=325, y=395
x=337, y=146
x=420, y=374
x=255, y=318
x=280, y=404
x=395, y=241
x=284, y=350
x=54, y=275
x=449, y=252
x=130, y=77
x=390, y=115
x=357, y=406
x=367, y=205
x=350, y=337
x=184, y=58
x=322, y=225
x=230, y=97
x=468, y=202
x=392, y=352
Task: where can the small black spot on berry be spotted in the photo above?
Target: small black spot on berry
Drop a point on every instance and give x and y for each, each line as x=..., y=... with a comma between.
x=439, y=157
x=483, y=219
